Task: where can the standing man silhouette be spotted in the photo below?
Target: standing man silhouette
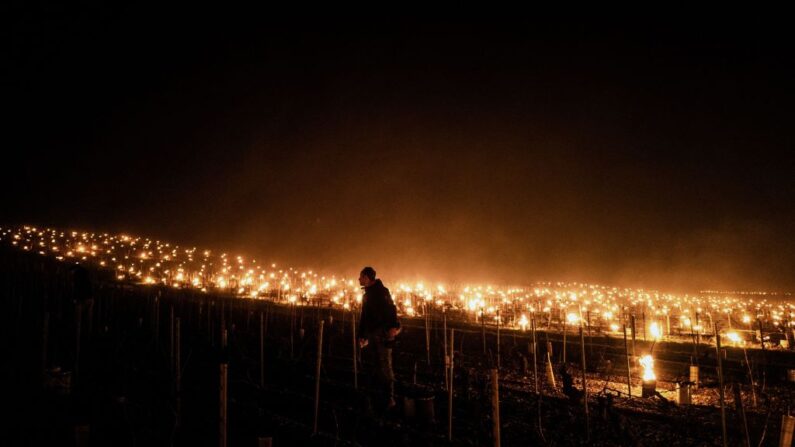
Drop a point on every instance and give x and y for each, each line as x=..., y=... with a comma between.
x=378, y=327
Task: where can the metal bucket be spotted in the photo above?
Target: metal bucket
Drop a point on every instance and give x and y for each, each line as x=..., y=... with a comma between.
x=418, y=405
x=425, y=412
x=419, y=409
x=683, y=396
x=791, y=375
x=649, y=388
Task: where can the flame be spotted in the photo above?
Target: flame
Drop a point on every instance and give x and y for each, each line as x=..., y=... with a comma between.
x=523, y=323
x=647, y=362
x=656, y=332
x=572, y=318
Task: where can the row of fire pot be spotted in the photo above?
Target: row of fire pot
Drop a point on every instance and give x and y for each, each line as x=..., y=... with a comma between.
x=683, y=388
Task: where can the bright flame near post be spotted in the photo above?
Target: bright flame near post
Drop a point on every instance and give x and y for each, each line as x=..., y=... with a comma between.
x=647, y=362
x=523, y=323
x=572, y=318
x=656, y=333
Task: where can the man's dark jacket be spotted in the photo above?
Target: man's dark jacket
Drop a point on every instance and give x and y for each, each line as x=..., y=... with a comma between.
x=378, y=311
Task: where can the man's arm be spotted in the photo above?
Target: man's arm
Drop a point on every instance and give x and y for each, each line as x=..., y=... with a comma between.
x=391, y=313
x=364, y=321
x=392, y=322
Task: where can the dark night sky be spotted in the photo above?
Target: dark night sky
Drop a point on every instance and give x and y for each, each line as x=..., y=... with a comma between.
x=657, y=154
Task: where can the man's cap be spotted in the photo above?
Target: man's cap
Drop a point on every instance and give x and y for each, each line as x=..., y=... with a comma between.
x=369, y=272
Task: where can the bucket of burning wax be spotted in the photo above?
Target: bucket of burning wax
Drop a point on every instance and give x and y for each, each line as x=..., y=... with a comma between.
x=649, y=388
x=649, y=385
x=791, y=375
x=418, y=404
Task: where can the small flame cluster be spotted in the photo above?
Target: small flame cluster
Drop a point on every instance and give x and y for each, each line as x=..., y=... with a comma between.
x=148, y=261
